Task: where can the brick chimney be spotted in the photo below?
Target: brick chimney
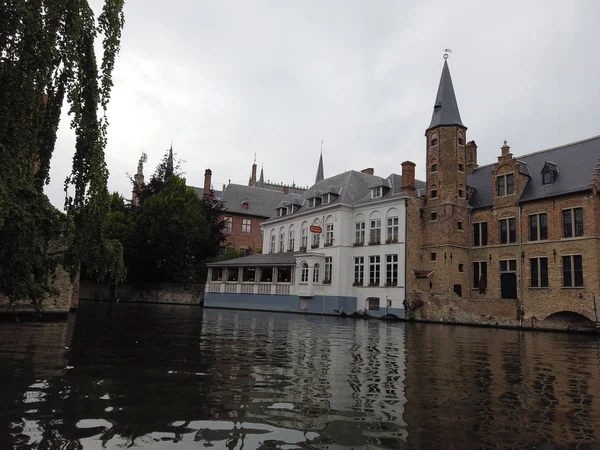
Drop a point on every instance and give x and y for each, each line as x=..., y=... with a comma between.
x=207, y=177
x=471, y=157
x=286, y=190
x=408, y=176
x=253, y=176
x=369, y=171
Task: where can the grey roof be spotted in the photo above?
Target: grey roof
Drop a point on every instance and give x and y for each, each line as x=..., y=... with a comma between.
x=445, y=109
x=353, y=188
x=268, y=259
x=575, y=162
x=320, y=173
x=261, y=202
x=200, y=192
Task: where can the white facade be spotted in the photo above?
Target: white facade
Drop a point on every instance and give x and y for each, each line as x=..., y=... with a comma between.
x=339, y=246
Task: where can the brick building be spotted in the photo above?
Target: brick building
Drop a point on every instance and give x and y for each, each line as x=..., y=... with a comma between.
x=515, y=242
x=247, y=207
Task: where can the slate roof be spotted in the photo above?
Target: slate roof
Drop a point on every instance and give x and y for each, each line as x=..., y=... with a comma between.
x=445, y=109
x=261, y=202
x=268, y=259
x=200, y=192
x=353, y=188
x=575, y=163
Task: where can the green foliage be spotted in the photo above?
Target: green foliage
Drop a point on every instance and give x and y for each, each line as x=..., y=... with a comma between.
x=171, y=236
x=46, y=57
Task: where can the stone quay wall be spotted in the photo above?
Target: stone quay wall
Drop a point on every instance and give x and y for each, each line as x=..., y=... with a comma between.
x=57, y=306
x=442, y=307
x=170, y=293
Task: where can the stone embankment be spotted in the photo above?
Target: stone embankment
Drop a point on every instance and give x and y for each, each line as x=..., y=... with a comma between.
x=54, y=307
x=170, y=293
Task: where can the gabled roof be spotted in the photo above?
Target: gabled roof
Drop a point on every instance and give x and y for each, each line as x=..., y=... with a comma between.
x=577, y=162
x=261, y=202
x=353, y=188
x=445, y=109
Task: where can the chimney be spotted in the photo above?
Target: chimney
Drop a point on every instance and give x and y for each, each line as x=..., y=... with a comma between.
x=253, y=177
x=369, y=171
x=286, y=190
x=207, y=177
x=471, y=157
x=408, y=177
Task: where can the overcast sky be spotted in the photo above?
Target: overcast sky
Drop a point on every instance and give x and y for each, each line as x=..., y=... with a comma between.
x=224, y=80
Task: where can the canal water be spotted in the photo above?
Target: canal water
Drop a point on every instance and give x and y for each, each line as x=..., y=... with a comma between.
x=177, y=377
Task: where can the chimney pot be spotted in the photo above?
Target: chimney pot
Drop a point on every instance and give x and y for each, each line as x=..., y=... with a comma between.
x=369, y=171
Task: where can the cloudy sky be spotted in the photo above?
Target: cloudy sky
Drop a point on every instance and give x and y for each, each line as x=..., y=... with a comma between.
x=224, y=80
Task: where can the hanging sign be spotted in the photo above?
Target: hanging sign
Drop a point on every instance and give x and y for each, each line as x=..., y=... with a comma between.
x=316, y=229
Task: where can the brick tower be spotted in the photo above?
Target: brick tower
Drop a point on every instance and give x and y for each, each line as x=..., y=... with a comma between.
x=446, y=210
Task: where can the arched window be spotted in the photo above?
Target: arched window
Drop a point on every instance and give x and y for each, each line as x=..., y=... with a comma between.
x=433, y=165
x=291, y=238
x=304, y=273
x=281, y=240
x=272, y=241
x=304, y=236
x=316, y=273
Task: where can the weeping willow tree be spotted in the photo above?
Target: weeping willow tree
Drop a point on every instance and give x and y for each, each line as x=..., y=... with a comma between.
x=47, y=60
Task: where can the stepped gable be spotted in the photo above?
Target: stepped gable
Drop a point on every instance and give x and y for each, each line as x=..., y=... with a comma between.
x=575, y=163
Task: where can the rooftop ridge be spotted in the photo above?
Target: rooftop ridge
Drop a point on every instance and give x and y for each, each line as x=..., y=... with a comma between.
x=545, y=150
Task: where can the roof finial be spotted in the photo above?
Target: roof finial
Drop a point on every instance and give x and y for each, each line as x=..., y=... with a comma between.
x=505, y=142
x=321, y=146
x=254, y=157
x=446, y=53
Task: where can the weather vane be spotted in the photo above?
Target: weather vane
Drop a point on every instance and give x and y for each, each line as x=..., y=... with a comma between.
x=446, y=53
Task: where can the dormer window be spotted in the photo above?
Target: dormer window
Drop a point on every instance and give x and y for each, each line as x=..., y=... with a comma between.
x=315, y=201
x=326, y=198
x=549, y=173
x=377, y=192
x=282, y=211
x=245, y=205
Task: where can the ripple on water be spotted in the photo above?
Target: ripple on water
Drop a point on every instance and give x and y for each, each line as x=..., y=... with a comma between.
x=165, y=377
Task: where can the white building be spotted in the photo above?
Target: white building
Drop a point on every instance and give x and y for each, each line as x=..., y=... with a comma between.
x=339, y=248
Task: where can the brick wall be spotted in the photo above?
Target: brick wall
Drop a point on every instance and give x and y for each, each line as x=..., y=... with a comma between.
x=240, y=240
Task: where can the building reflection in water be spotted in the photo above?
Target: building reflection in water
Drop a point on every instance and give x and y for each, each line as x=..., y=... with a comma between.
x=495, y=388
x=163, y=377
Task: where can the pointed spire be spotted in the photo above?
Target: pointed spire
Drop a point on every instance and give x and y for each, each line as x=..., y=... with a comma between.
x=169, y=169
x=320, y=175
x=261, y=180
x=445, y=109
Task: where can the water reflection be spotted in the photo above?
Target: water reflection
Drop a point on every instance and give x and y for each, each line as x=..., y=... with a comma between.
x=163, y=377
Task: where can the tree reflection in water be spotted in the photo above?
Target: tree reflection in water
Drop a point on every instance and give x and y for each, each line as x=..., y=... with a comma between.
x=156, y=376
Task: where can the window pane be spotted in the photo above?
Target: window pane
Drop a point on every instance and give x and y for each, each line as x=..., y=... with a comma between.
x=543, y=226
x=534, y=272
x=544, y=272
x=510, y=184
x=500, y=186
x=503, y=231
x=512, y=265
x=484, y=270
x=503, y=266
x=476, y=235
x=568, y=224
x=567, y=271
x=513, y=230
x=578, y=266
x=578, y=222
x=533, y=228
x=484, y=233
x=475, y=274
